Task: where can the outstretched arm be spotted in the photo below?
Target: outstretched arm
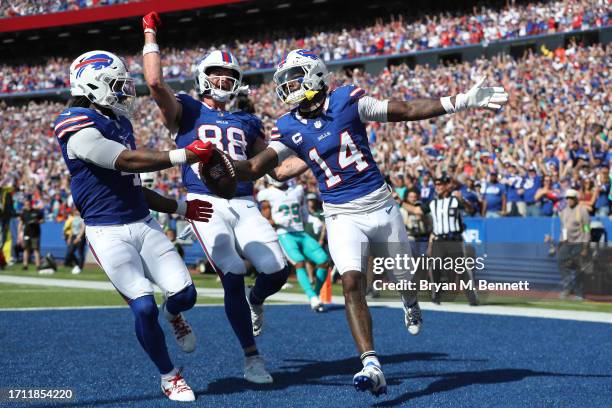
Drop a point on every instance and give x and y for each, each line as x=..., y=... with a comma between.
x=162, y=94
x=91, y=146
x=491, y=98
x=257, y=166
x=289, y=168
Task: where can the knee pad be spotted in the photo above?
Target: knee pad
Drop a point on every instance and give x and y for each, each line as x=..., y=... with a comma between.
x=144, y=308
x=183, y=300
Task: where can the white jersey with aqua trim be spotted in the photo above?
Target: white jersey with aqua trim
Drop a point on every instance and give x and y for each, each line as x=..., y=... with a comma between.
x=287, y=207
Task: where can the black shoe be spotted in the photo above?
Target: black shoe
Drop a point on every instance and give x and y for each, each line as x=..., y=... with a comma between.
x=24, y=268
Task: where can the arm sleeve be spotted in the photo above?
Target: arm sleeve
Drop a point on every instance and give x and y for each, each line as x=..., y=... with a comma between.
x=89, y=145
x=372, y=110
x=282, y=151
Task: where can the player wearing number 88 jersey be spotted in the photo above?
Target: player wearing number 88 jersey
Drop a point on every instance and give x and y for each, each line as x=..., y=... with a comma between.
x=237, y=228
x=232, y=132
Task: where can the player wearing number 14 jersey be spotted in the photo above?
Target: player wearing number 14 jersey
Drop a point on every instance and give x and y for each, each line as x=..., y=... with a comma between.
x=237, y=228
x=326, y=131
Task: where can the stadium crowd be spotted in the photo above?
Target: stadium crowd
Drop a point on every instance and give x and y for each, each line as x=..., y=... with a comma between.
x=15, y=8
x=382, y=38
x=552, y=136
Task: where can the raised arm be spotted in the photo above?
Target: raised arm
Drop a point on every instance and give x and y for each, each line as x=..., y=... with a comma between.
x=162, y=94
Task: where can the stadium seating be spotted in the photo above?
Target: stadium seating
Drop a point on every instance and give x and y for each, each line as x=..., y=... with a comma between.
x=396, y=36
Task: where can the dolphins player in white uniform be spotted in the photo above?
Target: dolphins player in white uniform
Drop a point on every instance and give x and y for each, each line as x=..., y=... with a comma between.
x=326, y=130
x=284, y=207
x=97, y=142
x=237, y=229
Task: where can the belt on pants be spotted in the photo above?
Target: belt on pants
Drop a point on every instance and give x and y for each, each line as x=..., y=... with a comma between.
x=453, y=236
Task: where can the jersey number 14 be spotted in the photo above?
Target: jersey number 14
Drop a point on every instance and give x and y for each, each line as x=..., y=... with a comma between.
x=348, y=155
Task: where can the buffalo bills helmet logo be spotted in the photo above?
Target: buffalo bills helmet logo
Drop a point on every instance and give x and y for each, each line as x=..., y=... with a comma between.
x=96, y=61
x=307, y=54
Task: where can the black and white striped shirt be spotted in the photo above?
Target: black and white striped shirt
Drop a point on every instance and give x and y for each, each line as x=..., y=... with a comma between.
x=445, y=215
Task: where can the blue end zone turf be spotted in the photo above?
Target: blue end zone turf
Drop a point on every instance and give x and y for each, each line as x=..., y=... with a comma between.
x=458, y=360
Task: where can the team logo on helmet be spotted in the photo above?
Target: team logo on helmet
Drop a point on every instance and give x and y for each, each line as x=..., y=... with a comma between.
x=97, y=62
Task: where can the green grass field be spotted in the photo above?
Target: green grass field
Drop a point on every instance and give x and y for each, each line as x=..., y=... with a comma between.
x=19, y=296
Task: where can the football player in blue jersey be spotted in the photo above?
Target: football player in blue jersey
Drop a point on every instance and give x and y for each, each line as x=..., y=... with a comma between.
x=237, y=228
x=326, y=131
x=98, y=146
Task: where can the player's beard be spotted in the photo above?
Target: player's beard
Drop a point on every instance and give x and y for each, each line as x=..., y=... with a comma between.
x=315, y=104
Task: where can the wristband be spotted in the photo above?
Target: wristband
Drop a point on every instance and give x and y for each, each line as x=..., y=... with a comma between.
x=181, y=208
x=178, y=156
x=150, y=30
x=447, y=104
x=149, y=48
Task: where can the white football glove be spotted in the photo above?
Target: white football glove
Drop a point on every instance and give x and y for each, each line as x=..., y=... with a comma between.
x=492, y=98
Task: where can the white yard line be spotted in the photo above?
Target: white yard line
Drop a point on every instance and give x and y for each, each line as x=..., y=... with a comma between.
x=598, y=317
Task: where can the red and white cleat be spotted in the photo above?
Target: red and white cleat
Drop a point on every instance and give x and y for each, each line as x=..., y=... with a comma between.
x=176, y=388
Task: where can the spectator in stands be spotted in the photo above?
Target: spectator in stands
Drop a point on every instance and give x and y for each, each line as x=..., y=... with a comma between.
x=29, y=233
x=602, y=192
x=574, y=244
x=494, y=197
x=531, y=184
x=393, y=37
x=513, y=184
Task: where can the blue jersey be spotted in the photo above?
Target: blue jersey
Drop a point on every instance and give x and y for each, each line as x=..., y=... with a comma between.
x=335, y=146
x=232, y=132
x=103, y=196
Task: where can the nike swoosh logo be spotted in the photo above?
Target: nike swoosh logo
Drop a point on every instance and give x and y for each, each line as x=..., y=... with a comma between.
x=250, y=206
x=389, y=210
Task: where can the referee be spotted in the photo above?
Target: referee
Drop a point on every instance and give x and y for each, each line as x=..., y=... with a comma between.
x=446, y=240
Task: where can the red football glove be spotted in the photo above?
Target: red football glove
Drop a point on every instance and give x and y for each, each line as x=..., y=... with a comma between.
x=201, y=149
x=151, y=22
x=199, y=210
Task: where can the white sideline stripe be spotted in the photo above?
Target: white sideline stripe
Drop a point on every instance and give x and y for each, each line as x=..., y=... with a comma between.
x=297, y=298
x=583, y=316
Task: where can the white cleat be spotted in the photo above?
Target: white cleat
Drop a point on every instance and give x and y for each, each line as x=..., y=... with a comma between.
x=256, y=315
x=316, y=305
x=76, y=270
x=176, y=388
x=413, y=319
x=183, y=333
x=255, y=370
x=370, y=378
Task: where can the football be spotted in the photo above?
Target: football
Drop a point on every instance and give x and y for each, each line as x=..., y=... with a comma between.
x=219, y=175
